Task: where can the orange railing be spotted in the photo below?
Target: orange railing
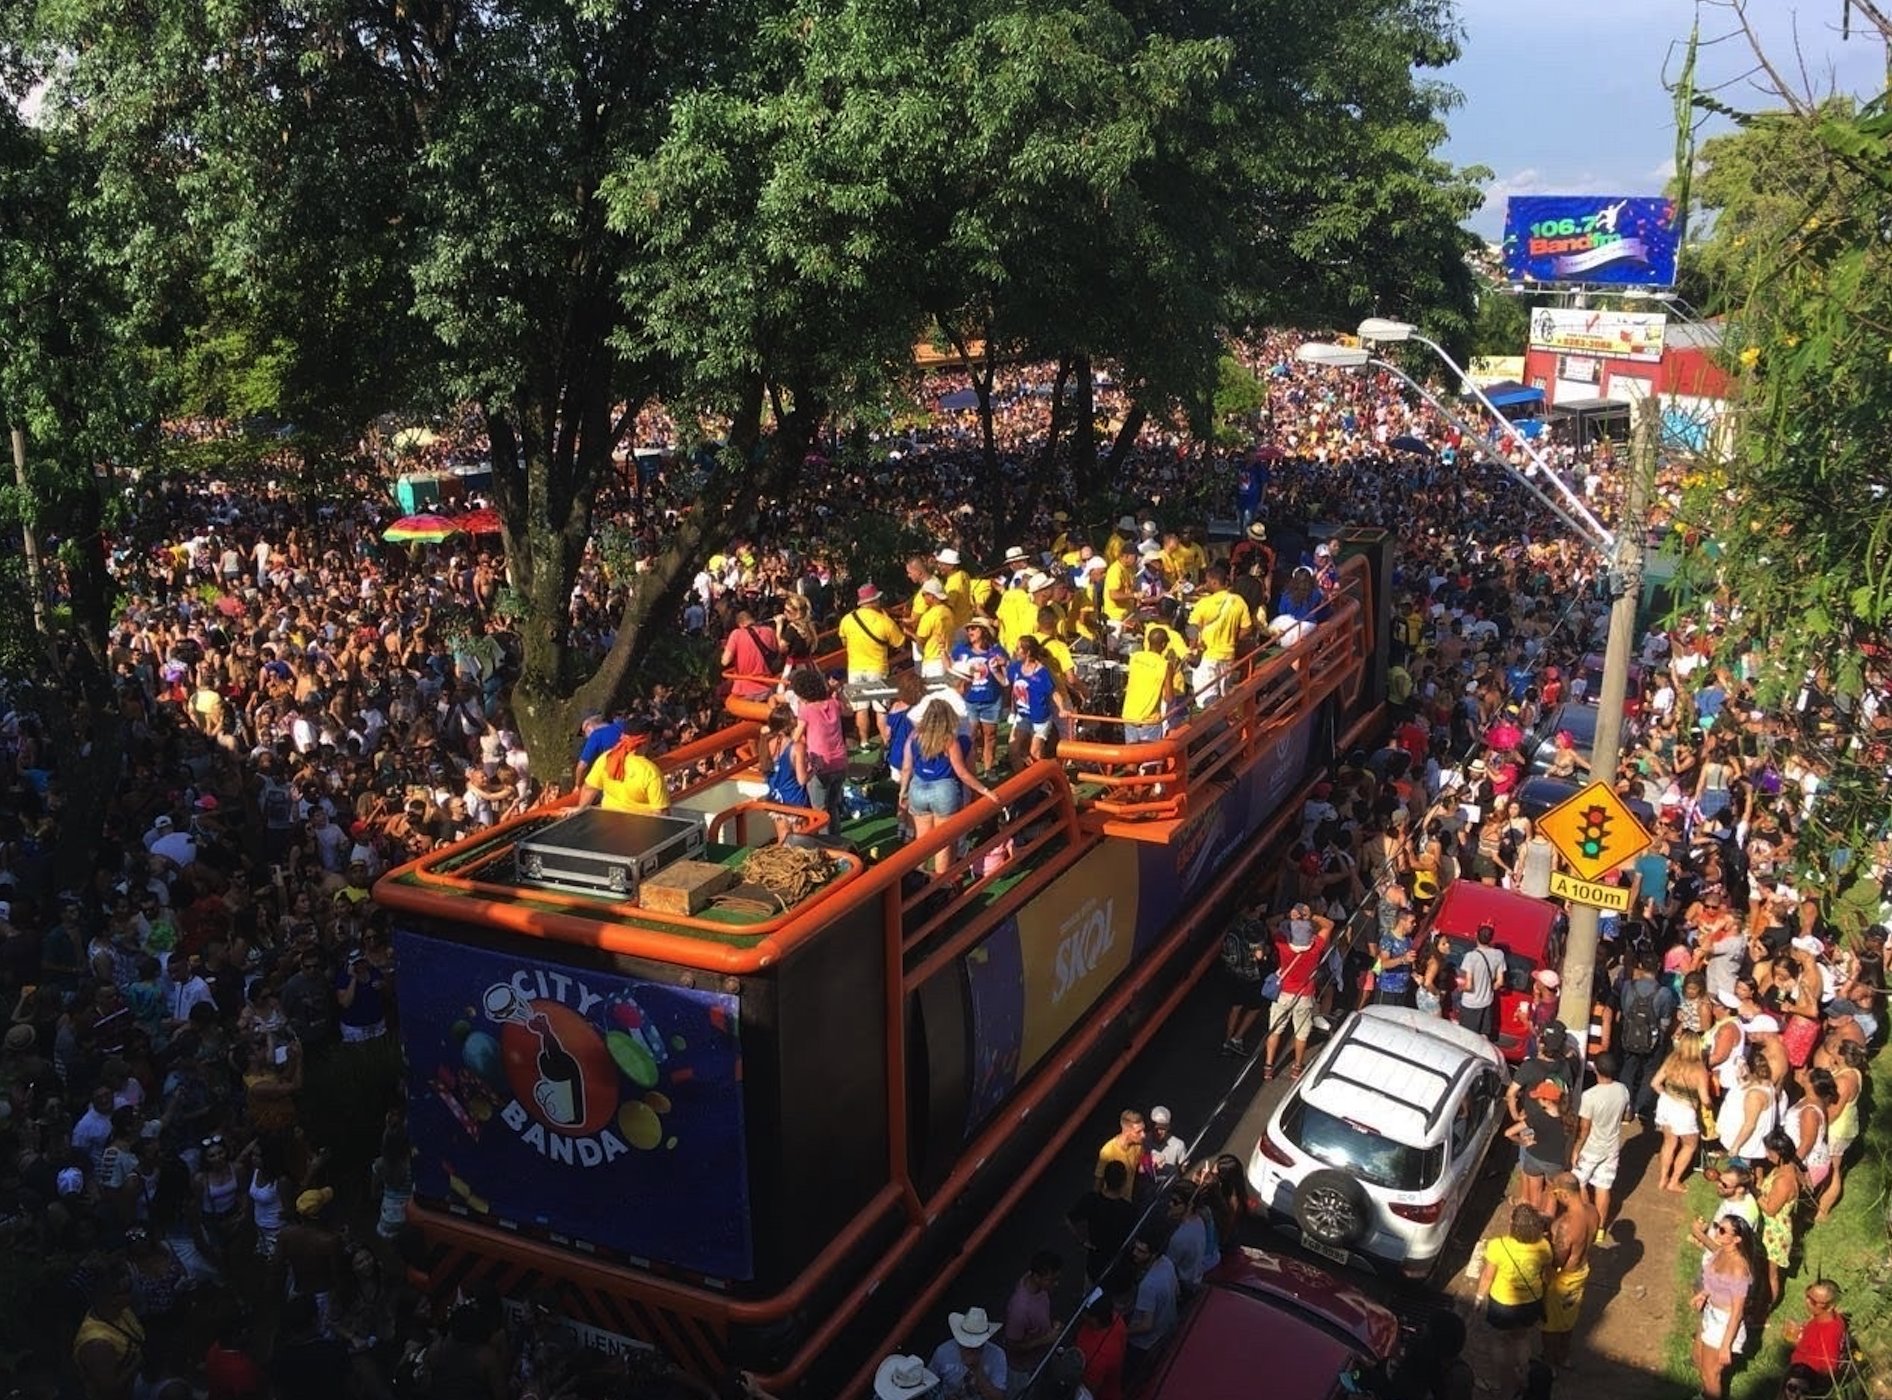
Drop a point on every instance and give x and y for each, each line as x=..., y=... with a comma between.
x=1265, y=692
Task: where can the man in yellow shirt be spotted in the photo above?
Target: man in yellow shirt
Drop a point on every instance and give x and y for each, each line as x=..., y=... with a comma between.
x=1151, y=681
x=1126, y=1147
x=1193, y=558
x=1081, y=623
x=1120, y=587
x=933, y=629
x=958, y=586
x=622, y=779
x=1121, y=539
x=1221, y=620
x=1057, y=655
x=1017, y=615
x=871, y=638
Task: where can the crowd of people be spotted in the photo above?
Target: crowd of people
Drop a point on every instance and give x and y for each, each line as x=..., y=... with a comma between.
x=304, y=706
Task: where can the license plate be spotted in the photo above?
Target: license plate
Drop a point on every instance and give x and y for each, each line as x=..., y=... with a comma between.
x=1324, y=1250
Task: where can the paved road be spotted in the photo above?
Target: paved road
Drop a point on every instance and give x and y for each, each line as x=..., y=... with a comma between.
x=1182, y=1070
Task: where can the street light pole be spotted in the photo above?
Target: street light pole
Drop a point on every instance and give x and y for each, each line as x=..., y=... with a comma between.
x=1579, y=965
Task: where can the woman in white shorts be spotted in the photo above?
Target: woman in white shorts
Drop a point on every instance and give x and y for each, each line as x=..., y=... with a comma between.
x=1681, y=1085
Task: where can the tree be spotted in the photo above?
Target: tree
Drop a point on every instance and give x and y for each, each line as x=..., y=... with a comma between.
x=72, y=390
x=1800, y=505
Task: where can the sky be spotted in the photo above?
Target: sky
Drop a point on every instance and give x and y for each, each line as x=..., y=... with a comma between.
x=1569, y=98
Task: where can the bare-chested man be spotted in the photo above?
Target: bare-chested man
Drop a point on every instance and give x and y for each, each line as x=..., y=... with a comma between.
x=1573, y=1225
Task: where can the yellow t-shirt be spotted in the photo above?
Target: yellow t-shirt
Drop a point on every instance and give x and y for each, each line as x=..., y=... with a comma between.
x=1080, y=619
x=641, y=789
x=1520, y=1272
x=1017, y=616
x=934, y=631
x=1194, y=559
x=1114, y=546
x=1120, y=577
x=1058, y=657
x=959, y=595
x=1221, y=619
x=1143, y=701
x=1131, y=1157
x=871, y=637
x=985, y=595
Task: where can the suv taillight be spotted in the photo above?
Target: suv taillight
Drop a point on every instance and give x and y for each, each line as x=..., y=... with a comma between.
x=1273, y=1153
x=1418, y=1214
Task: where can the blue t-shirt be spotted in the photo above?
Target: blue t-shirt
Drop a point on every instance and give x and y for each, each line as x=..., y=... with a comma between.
x=1519, y=680
x=1654, y=870
x=1709, y=700
x=899, y=728
x=1306, y=608
x=1395, y=979
x=600, y=742
x=984, y=689
x=1031, y=695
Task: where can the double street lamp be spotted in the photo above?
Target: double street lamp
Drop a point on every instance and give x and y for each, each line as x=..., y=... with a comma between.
x=1624, y=551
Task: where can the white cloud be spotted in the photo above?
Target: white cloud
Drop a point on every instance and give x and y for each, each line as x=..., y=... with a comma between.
x=1531, y=180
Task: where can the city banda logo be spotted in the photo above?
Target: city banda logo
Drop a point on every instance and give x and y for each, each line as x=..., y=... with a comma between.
x=563, y=1054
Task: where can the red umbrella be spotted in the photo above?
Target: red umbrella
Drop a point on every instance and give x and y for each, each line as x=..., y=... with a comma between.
x=484, y=521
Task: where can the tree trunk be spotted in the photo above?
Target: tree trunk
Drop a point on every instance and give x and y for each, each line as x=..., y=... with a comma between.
x=1025, y=506
x=1084, y=422
x=1111, y=468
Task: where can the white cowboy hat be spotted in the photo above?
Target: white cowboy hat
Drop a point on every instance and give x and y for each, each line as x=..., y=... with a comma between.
x=972, y=1328
x=902, y=1378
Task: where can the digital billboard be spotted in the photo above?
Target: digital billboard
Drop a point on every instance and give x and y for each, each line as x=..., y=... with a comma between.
x=1614, y=240
x=584, y=1107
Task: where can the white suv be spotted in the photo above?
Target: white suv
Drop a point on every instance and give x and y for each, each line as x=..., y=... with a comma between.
x=1372, y=1152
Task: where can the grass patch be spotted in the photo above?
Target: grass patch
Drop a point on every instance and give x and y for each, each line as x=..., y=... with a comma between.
x=1852, y=1248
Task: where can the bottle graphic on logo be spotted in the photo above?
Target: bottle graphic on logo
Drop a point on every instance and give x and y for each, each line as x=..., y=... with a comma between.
x=560, y=1092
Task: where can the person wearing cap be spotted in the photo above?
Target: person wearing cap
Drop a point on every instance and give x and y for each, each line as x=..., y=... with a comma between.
x=624, y=780
x=971, y=1363
x=1166, y=1153
x=600, y=735
x=904, y=1378
x=1538, y=1101
x=1300, y=942
x=932, y=628
x=312, y=1251
x=1122, y=540
x=872, y=639
x=987, y=684
x=958, y=586
x=1751, y=1109
x=1252, y=556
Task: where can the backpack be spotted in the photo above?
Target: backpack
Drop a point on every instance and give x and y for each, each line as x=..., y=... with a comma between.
x=276, y=806
x=1641, y=1034
x=1238, y=954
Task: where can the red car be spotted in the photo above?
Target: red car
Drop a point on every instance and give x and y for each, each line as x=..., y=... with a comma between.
x=1530, y=934
x=1274, y=1325
x=1592, y=673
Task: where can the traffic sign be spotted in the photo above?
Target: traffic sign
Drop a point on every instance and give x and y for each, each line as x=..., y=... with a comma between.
x=1593, y=831
x=1590, y=892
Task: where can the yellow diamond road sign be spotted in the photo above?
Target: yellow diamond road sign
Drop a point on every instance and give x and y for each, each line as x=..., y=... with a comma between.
x=1593, y=831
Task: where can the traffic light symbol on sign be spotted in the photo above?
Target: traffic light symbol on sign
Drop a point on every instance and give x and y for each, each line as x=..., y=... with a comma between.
x=1593, y=831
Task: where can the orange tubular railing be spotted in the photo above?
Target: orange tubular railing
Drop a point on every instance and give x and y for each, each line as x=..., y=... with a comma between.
x=1266, y=691
x=1040, y=794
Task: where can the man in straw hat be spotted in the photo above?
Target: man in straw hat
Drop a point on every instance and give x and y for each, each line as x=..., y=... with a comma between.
x=971, y=1362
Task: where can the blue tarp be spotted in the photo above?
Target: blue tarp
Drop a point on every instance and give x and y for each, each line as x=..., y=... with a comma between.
x=961, y=399
x=1511, y=398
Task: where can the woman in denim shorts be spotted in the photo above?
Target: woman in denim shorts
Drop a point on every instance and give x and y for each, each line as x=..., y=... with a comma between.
x=934, y=775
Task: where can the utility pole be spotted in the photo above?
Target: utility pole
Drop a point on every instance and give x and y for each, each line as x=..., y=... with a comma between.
x=29, y=537
x=1632, y=532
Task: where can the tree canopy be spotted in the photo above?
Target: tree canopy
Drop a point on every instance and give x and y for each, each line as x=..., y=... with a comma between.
x=555, y=211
